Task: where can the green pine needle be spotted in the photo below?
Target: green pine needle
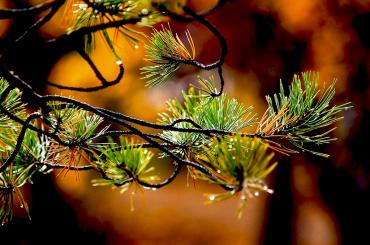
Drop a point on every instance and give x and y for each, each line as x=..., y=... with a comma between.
x=9, y=129
x=12, y=102
x=241, y=162
x=168, y=53
x=220, y=113
x=74, y=125
x=109, y=11
x=121, y=162
x=300, y=116
x=32, y=151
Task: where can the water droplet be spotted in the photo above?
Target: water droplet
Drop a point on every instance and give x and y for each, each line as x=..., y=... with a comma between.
x=21, y=206
x=144, y=20
x=136, y=46
x=154, y=189
x=256, y=193
x=218, y=171
x=212, y=198
x=119, y=62
x=144, y=11
x=270, y=191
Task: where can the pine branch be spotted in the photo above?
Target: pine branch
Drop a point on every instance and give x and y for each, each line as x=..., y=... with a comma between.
x=206, y=112
x=100, y=12
x=202, y=131
x=168, y=53
x=300, y=116
x=123, y=164
x=242, y=162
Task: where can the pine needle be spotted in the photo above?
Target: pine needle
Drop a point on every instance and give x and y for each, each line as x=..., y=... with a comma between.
x=168, y=53
x=300, y=116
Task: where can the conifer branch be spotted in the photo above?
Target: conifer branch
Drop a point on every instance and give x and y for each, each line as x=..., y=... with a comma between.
x=298, y=116
x=168, y=53
x=202, y=131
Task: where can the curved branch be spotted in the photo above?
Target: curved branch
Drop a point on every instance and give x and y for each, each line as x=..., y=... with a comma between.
x=121, y=118
x=167, y=181
x=15, y=13
x=92, y=29
x=154, y=136
x=20, y=138
x=58, y=166
x=188, y=120
x=98, y=74
x=222, y=41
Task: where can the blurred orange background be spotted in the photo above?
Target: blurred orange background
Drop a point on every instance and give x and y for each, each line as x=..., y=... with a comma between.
x=316, y=201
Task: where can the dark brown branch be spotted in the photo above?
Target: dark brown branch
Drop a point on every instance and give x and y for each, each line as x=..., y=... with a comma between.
x=105, y=83
x=20, y=138
x=92, y=29
x=59, y=166
x=15, y=13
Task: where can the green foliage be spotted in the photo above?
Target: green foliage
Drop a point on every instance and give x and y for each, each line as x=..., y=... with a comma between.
x=10, y=102
x=105, y=11
x=299, y=116
x=237, y=162
x=216, y=150
x=10, y=182
x=32, y=151
x=168, y=53
x=240, y=162
x=121, y=163
x=220, y=113
x=74, y=125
